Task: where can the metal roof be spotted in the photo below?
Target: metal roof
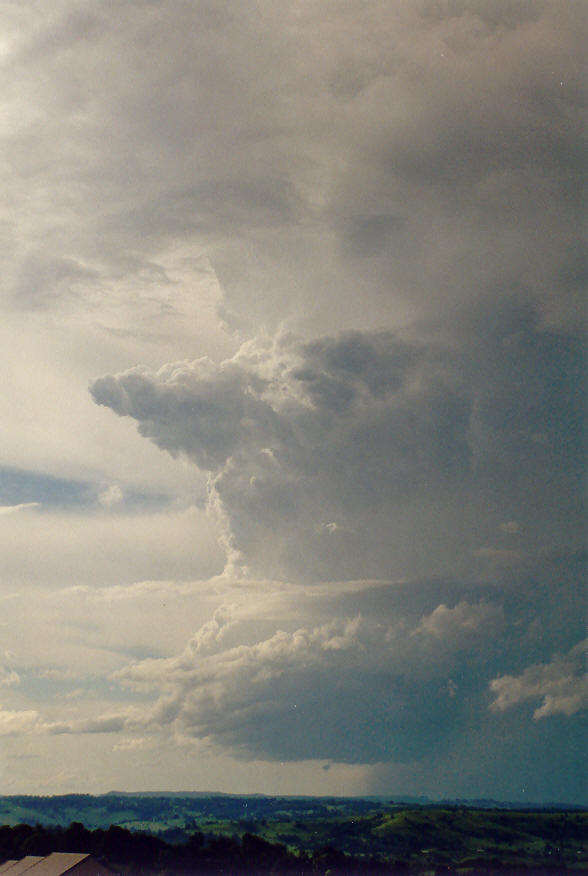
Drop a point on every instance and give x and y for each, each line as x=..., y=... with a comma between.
x=15, y=868
x=55, y=864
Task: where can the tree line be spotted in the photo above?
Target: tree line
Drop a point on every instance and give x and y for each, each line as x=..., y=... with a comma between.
x=139, y=854
x=130, y=853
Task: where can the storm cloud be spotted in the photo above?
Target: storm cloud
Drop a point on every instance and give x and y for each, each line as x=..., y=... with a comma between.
x=328, y=259
x=363, y=455
x=354, y=690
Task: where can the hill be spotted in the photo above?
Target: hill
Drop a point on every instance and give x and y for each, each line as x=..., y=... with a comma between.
x=422, y=839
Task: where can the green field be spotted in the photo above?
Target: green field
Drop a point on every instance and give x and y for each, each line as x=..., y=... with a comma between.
x=423, y=837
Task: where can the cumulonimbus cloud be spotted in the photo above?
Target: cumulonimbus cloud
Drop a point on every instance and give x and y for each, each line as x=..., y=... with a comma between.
x=363, y=454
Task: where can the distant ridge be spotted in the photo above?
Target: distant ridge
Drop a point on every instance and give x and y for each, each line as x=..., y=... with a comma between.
x=186, y=795
x=199, y=795
x=419, y=800
x=484, y=803
x=388, y=799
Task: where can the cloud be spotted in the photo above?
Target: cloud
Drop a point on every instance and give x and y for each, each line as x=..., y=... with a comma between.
x=342, y=456
x=98, y=724
x=155, y=590
x=136, y=743
x=389, y=674
x=111, y=496
x=561, y=684
x=15, y=722
x=70, y=548
x=310, y=692
x=8, y=677
x=15, y=509
x=300, y=436
x=463, y=624
x=384, y=197
x=30, y=721
x=440, y=148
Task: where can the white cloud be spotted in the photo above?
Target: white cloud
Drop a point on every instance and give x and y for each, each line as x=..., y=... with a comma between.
x=15, y=722
x=463, y=624
x=111, y=496
x=562, y=685
x=30, y=721
x=8, y=677
x=15, y=509
x=155, y=590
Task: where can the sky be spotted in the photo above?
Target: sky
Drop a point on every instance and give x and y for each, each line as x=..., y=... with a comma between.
x=292, y=462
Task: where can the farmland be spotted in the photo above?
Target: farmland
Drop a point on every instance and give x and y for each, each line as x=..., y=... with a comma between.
x=419, y=837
